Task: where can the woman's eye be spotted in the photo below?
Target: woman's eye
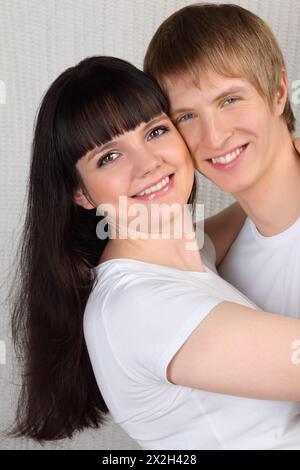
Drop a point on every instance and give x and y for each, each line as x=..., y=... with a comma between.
x=108, y=158
x=157, y=132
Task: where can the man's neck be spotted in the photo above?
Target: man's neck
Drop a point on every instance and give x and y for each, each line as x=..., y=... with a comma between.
x=273, y=202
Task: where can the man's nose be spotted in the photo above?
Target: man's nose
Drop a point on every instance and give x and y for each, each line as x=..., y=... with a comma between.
x=215, y=132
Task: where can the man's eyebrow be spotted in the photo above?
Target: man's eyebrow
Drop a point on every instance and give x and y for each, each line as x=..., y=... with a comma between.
x=111, y=143
x=229, y=91
x=174, y=114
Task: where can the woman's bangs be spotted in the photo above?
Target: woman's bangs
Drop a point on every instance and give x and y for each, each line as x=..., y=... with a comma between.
x=99, y=112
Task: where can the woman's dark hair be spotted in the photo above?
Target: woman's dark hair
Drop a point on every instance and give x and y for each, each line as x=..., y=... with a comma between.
x=87, y=105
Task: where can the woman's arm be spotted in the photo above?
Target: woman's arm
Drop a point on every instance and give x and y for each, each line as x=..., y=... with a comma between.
x=223, y=229
x=236, y=350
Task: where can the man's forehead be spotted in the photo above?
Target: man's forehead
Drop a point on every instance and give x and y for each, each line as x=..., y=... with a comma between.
x=180, y=80
x=206, y=81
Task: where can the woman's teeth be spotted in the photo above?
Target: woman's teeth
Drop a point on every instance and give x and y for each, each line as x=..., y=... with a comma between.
x=228, y=157
x=155, y=187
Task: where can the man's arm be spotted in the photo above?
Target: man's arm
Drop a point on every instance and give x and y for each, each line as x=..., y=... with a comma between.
x=223, y=229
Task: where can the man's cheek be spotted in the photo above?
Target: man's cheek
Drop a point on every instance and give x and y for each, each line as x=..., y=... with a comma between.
x=189, y=138
x=202, y=167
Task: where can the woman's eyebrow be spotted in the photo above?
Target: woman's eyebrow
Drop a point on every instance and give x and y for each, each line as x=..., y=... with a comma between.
x=100, y=148
x=110, y=143
x=154, y=121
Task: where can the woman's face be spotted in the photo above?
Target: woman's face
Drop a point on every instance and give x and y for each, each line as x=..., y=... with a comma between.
x=148, y=165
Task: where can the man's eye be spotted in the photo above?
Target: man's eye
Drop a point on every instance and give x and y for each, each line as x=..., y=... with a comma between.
x=108, y=158
x=185, y=117
x=157, y=132
x=230, y=100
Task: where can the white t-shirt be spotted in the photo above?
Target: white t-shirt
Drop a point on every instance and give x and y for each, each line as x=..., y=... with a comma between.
x=137, y=317
x=266, y=269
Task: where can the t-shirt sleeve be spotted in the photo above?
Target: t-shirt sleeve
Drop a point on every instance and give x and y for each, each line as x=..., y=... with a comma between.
x=179, y=337
x=148, y=323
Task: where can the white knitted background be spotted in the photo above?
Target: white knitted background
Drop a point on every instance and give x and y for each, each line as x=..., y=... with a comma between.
x=38, y=40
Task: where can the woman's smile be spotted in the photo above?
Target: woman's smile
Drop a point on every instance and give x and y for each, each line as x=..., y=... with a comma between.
x=156, y=190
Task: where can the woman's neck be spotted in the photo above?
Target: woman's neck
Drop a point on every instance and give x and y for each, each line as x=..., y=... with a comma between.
x=176, y=252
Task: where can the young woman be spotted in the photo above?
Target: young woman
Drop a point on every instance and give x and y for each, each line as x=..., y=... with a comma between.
x=138, y=325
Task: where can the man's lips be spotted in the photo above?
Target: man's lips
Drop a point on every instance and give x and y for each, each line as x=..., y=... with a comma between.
x=229, y=159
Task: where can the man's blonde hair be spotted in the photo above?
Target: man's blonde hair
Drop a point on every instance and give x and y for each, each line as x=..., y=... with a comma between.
x=227, y=39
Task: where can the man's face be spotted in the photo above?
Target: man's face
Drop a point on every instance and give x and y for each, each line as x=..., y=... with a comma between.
x=228, y=126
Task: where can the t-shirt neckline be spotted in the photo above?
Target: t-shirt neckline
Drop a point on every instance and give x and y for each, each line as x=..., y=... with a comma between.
x=288, y=232
x=207, y=273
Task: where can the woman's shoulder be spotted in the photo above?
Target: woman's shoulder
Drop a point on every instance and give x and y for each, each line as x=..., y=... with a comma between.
x=134, y=289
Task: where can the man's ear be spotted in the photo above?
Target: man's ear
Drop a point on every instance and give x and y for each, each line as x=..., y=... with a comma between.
x=81, y=200
x=281, y=94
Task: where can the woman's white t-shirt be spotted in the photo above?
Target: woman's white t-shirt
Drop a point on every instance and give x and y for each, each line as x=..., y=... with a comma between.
x=136, y=318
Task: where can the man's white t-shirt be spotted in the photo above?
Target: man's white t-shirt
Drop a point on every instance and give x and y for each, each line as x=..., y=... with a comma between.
x=137, y=317
x=266, y=269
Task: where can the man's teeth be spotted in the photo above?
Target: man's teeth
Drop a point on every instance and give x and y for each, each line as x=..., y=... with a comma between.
x=229, y=157
x=155, y=187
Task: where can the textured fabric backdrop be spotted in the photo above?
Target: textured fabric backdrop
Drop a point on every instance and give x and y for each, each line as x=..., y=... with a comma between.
x=38, y=40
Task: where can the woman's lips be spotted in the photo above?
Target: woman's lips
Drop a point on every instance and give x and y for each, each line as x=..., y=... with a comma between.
x=159, y=192
x=233, y=163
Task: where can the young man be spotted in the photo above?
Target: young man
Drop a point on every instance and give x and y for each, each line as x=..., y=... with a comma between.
x=225, y=77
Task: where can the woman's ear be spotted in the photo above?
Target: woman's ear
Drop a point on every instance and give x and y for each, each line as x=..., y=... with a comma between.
x=282, y=93
x=81, y=200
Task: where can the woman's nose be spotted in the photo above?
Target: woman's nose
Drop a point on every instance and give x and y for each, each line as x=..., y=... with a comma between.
x=146, y=162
